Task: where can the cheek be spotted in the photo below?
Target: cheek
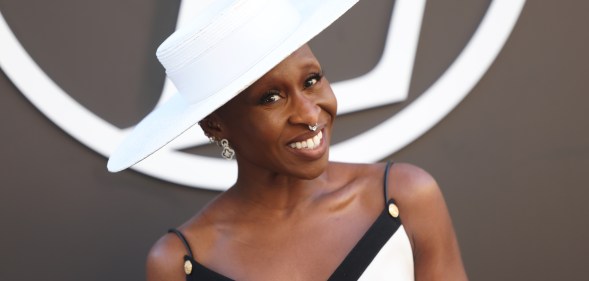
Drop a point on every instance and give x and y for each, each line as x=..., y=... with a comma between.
x=255, y=130
x=329, y=101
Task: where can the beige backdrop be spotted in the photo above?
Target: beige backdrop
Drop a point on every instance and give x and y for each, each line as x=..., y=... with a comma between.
x=512, y=158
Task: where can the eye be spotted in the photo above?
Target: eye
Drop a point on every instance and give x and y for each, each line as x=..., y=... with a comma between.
x=270, y=97
x=312, y=80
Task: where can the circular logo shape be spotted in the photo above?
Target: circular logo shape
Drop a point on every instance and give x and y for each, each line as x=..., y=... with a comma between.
x=400, y=47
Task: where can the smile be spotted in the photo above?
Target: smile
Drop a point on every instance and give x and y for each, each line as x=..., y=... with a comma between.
x=309, y=143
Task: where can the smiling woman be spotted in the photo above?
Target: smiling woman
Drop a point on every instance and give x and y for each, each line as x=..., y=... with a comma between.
x=268, y=122
x=245, y=74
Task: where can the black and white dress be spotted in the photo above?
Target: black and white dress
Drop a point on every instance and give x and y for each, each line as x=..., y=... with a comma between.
x=383, y=253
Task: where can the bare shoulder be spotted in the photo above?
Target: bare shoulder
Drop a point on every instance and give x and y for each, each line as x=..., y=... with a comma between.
x=413, y=187
x=418, y=196
x=165, y=259
x=427, y=221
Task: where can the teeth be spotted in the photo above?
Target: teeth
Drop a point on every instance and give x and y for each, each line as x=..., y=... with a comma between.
x=309, y=143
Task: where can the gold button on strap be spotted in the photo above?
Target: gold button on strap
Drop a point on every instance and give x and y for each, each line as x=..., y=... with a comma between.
x=187, y=267
x=393, y=210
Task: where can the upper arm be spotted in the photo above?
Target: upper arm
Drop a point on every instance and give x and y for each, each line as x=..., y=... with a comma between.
x=427, y=221
x=165, y=260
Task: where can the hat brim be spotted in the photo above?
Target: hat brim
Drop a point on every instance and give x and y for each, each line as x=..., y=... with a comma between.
x=175, y=116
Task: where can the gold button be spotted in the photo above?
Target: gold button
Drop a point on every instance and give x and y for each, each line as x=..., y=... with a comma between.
x=393, y=210
x=187, y=267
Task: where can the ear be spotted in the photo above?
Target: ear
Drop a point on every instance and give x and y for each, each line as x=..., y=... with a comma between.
x=211, y=126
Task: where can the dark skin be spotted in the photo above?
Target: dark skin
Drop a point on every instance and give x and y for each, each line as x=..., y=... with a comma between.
x=289, y=207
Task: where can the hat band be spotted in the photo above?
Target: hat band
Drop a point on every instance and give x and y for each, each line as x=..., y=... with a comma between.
x=230, y=57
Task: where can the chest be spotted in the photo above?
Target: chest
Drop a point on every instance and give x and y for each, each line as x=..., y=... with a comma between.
x=307, y=249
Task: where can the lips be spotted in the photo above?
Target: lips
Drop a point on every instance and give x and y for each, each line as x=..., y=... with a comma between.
x=309, y=143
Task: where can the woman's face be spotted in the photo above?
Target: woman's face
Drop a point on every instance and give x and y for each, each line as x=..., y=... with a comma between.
x=268, y=123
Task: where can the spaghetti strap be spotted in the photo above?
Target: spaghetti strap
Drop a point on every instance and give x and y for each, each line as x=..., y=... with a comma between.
x=389, y=203
x=183, y=239
x=386, y=182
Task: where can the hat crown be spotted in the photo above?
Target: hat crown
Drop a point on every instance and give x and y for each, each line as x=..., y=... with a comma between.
x=224, y=41
x=207, y=27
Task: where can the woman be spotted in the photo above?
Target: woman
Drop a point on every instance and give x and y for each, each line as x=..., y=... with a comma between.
x=292, y=214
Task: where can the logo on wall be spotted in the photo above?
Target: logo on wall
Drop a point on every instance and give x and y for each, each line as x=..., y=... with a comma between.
x=171, y=164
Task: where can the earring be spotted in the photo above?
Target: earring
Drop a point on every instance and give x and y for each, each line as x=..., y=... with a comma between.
x=228, y=152
x=313, y=127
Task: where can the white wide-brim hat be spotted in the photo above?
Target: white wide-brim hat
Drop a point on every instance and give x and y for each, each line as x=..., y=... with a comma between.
x=229, y=46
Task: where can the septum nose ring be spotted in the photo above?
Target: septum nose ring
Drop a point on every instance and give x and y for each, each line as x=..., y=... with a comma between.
x=313, y=127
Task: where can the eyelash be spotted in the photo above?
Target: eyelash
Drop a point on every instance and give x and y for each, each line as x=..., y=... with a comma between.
x=270, y=97
x=273, y=95
x=316, y=76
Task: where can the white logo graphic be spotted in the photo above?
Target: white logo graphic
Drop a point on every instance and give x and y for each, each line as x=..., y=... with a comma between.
x=400, y=47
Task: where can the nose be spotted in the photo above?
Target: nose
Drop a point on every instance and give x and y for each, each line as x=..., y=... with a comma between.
x=304, y=109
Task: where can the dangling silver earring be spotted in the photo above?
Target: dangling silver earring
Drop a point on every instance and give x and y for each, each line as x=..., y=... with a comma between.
x=228, y=152
x=313, y=127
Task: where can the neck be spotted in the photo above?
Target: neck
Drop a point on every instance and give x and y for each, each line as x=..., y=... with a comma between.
x=281, y=194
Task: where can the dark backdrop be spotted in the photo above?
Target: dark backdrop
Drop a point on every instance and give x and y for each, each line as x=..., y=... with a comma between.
x=512, y=158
